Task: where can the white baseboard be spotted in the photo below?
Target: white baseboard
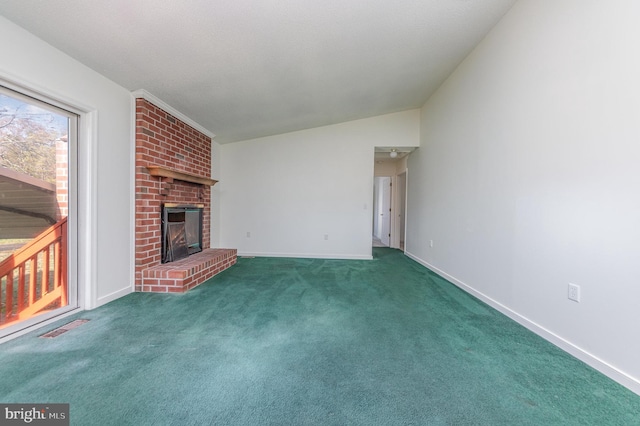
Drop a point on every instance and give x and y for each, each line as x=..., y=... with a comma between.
x=593, y=361
x=307, y=255
x=113, y=296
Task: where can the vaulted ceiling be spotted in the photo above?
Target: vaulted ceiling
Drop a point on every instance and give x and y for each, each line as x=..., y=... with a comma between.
x=250, y=68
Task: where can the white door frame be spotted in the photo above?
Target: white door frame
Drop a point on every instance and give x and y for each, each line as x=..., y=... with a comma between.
x=398, y=209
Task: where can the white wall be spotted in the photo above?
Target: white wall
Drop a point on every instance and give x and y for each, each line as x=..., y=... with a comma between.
x=290, y=190
x=106, y=160
x=528, y=176
x=215, y=195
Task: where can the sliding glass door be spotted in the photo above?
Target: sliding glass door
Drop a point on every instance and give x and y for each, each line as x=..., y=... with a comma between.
x=37, y=140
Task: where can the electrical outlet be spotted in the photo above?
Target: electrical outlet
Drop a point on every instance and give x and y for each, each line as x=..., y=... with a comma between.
x=431, y=243
x=326, y=237
x=574, y=292
x=248, y=234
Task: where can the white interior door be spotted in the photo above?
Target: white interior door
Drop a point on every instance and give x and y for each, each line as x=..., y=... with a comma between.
x=385, y=210
x=376, y=208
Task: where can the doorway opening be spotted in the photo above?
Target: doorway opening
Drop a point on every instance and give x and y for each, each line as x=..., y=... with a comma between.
x=390, y=197
x=36, y=141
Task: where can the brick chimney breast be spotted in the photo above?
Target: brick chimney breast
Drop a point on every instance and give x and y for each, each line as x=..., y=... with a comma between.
x=165, y=141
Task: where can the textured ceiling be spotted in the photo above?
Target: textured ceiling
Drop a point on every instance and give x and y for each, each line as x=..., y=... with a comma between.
x=251, y=68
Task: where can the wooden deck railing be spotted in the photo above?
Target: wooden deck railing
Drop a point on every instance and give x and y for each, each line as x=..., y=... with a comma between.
x=34, y=278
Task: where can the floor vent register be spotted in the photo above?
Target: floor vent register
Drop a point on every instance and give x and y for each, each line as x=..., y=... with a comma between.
x=63, y=329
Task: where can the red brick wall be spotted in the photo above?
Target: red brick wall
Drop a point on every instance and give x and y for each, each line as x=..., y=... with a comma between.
x=163, y=140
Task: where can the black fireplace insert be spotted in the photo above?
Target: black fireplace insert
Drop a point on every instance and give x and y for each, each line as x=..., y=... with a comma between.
x=181, y=231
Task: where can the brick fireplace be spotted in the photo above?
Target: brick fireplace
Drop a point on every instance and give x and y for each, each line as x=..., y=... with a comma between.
x=173, y=165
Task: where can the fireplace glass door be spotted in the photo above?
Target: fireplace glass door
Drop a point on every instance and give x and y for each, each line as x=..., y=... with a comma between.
x=181, y=231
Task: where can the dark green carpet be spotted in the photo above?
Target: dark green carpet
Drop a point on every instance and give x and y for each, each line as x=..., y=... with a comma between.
x=310, y=342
